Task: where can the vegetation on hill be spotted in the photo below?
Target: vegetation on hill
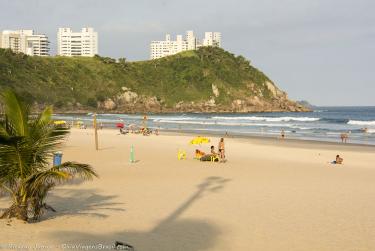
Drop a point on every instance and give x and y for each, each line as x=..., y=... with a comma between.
x=191, y=77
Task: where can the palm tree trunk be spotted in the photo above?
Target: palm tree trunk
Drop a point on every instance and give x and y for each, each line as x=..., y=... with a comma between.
x=16, y=211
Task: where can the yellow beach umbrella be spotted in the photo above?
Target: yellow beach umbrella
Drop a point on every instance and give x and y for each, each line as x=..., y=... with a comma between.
x=199, y=140
x=59, y=122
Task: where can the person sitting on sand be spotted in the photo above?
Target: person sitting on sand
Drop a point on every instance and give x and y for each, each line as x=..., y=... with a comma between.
x=199, y=154
x=338, y=160
x=207, y=157
x=213, y=153
x=122, y=131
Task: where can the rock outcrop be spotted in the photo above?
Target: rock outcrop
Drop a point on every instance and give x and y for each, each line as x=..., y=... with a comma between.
x=131, y=102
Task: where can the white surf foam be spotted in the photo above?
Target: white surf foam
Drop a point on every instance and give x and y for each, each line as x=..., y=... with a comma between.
x=361, y=122
x=223, y=123
x=268, y=119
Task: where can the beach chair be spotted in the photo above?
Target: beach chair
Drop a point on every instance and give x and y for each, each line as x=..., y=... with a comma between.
x=181, y=154
x=214, y=158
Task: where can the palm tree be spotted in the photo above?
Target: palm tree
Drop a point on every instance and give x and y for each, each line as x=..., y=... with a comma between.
x=27, y=144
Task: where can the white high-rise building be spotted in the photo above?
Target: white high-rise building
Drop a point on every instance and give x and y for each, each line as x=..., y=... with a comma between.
x=191, y=40
x=25, y=41
x=212, y=39
x=84, y=43
x=167, y=47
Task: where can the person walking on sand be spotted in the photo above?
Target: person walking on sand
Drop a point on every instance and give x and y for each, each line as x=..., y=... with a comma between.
x=221, y=149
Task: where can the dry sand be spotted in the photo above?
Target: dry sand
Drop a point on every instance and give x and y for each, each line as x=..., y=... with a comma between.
x=270, y=195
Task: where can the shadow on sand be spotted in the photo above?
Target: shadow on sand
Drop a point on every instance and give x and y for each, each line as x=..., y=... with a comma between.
x=171, y=234
x=81, y=202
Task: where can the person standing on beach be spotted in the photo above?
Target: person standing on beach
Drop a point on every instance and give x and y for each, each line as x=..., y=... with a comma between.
x=344, y=137
x=221, y=149
x=144, y=122
x=282, y=134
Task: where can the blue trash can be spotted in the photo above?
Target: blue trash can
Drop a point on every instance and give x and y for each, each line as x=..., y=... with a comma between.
x=57, y=158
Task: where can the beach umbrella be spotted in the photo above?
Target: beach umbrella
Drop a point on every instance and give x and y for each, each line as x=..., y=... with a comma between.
x=199, y=140
x=120, y=125
x=59, y=122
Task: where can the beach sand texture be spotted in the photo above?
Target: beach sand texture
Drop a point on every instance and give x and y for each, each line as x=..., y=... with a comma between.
x=270, y=195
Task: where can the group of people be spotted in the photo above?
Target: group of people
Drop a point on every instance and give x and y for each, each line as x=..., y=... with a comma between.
x=213, y=155
x=143, y=131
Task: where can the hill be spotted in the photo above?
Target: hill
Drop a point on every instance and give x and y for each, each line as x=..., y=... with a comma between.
x=306, y=104
x=207, y=80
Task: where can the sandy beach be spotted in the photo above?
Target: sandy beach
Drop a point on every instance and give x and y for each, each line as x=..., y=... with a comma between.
x=269, y=195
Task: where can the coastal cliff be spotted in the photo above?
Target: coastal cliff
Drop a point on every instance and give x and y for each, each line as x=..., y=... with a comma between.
x=207, y=80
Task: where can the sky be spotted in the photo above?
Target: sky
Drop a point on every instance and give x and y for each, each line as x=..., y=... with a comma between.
x=322, y=51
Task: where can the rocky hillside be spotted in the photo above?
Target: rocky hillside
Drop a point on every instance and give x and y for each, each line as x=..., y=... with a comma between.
x=206, y=80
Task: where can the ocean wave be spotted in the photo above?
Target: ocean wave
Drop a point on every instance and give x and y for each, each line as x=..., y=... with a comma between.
x=335, y=120
x=268, y=119
x=361, y=122
x=158, y=119
x=223, y=123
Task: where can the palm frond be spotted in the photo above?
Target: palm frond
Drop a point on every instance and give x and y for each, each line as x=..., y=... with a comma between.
x=45, y=116
x=38, y=180
x=3, y=132
x=83, y=171
x=7, y=187
x=16, y=113
x=58, y=175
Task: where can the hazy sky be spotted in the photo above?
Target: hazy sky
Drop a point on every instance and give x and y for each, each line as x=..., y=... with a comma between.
x=319, y=50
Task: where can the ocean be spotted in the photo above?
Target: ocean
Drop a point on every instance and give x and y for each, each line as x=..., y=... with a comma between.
x=323, y=124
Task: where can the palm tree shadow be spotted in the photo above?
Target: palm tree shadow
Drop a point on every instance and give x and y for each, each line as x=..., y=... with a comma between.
x=170, y=234
x=81, y=202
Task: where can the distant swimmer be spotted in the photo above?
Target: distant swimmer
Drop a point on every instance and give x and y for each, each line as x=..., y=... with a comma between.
x=282, y=134
x=364, y=130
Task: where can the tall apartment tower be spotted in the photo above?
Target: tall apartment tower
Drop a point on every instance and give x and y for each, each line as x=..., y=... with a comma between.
x=25, y=41
x=191, y=40
x=84, y=43
x=212, y=39
x=159, y=49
